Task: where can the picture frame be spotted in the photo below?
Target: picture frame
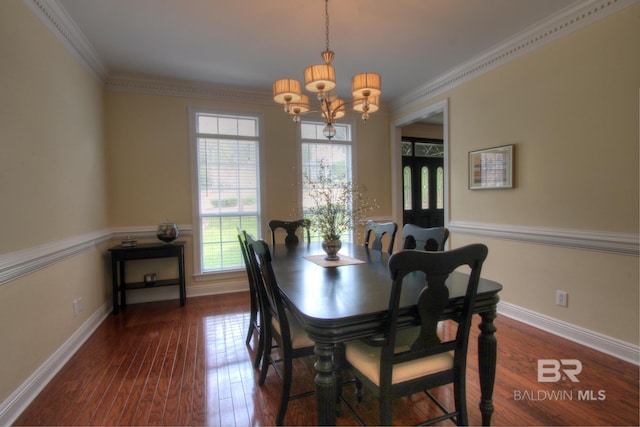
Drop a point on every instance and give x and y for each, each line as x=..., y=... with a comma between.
x=491, y=168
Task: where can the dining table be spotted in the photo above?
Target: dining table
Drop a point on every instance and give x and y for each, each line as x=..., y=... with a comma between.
x=347, y=299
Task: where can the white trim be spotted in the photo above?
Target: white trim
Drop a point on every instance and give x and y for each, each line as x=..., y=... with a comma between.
x=18, y=401
x=566, y=21
x=56, y=18
x=617, y=243
x=605, y=344
x=20, y=263
x=396, y=156
x=572, y=18
x=154, y=86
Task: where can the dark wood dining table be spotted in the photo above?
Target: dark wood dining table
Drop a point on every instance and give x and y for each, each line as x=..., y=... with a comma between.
x=341, y=303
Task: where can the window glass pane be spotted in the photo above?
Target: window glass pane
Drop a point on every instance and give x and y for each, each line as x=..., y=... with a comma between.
x=424, y=187
x=407, y=148
x=317, y=150
x=440, y=187
x=228, y=187
x=206, y=124
x=406, y=185
x=429, y=150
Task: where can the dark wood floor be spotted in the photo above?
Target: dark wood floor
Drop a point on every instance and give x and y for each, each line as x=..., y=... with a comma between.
x=159, y=364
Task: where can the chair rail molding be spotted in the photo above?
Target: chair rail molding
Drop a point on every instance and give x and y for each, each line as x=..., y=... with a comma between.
x=617, y=243
x=20, y=263
x=14, y=265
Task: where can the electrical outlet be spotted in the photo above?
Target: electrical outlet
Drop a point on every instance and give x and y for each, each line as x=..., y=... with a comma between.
x=562, y=298
x=78, y=307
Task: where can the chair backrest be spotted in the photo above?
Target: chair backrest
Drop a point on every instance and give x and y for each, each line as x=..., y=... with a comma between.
x=424, y=239
x=379, y=229
x=251, y=273
x=290, y=227
x=272, y=304
x=434, y=267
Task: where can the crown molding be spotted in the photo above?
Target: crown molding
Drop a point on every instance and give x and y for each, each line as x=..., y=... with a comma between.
x=187, y=89
x=53, y=15
x=564, y=22
x=568, y=20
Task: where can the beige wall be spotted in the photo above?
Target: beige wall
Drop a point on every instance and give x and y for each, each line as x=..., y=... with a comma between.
x=149, y=161
x=571, y=109
x=52, y=188
x=76, y=160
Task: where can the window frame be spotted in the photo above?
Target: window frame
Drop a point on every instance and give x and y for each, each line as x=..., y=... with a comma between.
x=351, y=143
x=193, y=111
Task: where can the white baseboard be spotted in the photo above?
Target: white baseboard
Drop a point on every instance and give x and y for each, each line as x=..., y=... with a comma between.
x=18, y=401
x=605, y=344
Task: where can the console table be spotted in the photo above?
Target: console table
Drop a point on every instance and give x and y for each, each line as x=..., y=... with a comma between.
x=120, y=255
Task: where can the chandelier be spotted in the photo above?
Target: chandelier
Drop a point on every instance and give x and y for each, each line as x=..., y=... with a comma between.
x=321, y=79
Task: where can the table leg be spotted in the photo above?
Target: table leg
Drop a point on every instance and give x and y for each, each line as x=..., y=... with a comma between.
x=114, y=285
x=487, y=353
x=181, y=286
x=326, y=389
x=123, y=294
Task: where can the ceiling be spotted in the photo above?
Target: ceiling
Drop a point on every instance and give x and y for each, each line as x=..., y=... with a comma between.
x=250, y=43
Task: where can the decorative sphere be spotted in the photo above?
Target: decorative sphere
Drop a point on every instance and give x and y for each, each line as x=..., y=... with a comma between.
x=167, y=232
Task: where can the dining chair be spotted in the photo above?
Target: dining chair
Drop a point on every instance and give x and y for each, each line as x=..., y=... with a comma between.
x=291, y=227
x=413, y=360
x=255, y=315
x=427, y=239
x=379, y=229
x=279, y=326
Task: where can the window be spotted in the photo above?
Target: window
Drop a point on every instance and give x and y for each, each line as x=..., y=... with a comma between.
x=406, y=184
x=335, y=155
x=424, y=187
x=226, y=167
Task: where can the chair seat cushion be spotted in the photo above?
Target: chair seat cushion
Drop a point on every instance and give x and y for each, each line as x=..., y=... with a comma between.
x=366, y=359
x=299, y=338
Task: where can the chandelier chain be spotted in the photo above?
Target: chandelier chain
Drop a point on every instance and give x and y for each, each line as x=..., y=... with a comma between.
x=326, y=22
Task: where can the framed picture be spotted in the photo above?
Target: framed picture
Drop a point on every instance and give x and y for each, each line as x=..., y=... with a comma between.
x=491, y=168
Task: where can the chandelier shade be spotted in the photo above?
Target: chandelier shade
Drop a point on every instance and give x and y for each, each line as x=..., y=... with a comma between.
x=286, y=91
x=366, y=84
x=321, y=79
x=299, y=107
x=373, y=105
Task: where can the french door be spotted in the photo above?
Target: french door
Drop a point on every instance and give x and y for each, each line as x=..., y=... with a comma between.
x=423, y=182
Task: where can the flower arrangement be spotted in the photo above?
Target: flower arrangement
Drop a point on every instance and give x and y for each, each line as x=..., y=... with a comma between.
x=339, y=205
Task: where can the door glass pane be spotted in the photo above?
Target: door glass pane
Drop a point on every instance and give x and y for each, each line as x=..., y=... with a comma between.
x=406, y=185
x=424, y=187
x=440, y=187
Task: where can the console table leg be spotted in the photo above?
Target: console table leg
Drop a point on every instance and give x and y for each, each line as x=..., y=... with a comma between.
x=487, y=359
x=114, y=285
x=326, y=389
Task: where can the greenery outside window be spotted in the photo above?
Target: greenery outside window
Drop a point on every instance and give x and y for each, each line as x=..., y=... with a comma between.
x=226, y=157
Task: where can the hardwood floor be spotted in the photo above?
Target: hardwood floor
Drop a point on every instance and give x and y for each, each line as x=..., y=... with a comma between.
x=160, y=364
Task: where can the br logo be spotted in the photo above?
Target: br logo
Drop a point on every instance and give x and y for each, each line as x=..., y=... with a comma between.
x=552, y=370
